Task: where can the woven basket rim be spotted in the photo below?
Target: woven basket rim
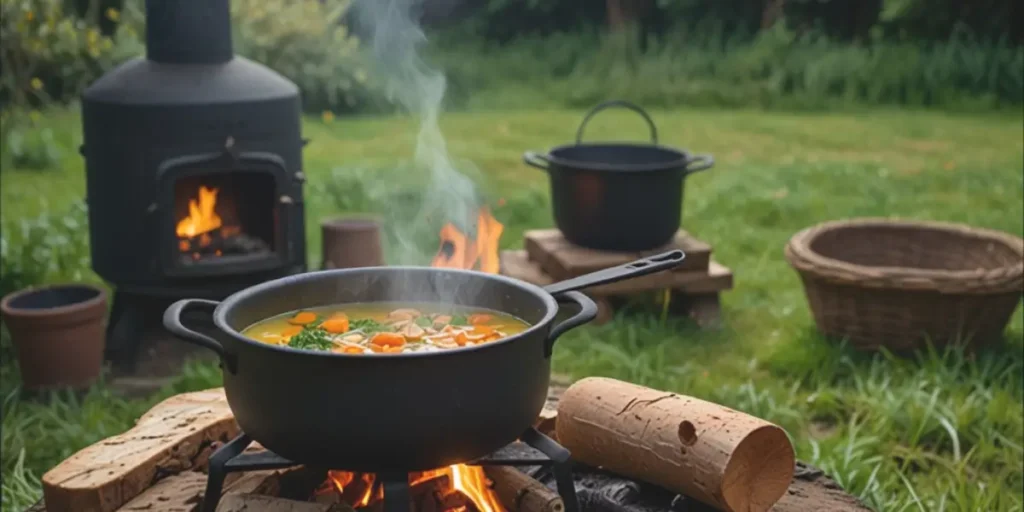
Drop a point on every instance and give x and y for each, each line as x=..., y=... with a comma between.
x=1003, y=279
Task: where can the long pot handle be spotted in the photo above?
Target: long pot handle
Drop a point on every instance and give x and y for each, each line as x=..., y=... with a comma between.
x=588, y=312
x=172, y=322
x=637, y=268
x=534, y=159
x=617, y=103
x=698, y=163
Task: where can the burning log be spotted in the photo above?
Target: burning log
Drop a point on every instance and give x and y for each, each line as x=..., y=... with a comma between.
x=226, y=241
x=708, y=452
x=521, y=493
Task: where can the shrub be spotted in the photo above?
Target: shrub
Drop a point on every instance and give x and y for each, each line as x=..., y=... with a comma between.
x=49, y=248
x=305, y=41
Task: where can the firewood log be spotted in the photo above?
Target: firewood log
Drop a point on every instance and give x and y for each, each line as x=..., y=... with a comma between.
x=174, y=436
x=725, y=458
x=521, y=493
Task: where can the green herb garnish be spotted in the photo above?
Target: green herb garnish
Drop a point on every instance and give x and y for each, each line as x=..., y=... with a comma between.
x=459, y=320
x=423, y=321
x=311, y=339
x=367, y=325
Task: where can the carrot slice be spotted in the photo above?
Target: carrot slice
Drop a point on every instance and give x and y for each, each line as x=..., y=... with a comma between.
x=352, y=350
x=291, y=330
x=377, y=348
x=388, y=339
x=483, y=329
x=461, y=339
x=479, y=318
x=303, y=318
x=336, y=324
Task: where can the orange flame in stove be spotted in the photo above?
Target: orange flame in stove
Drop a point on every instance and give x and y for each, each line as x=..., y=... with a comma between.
x=201, y=215
x=466, y=252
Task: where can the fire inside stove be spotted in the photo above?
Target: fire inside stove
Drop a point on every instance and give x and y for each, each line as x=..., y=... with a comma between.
x=213, y=222
x=457, y=488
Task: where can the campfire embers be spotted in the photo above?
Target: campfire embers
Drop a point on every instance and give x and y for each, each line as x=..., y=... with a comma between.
x=457, y=488
x=203, y=234
x=460, y=250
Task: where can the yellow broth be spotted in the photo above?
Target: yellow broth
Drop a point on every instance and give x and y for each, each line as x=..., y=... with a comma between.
x=385, y=328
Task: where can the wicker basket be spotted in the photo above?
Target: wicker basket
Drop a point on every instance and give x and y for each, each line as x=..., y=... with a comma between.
x=898, y=284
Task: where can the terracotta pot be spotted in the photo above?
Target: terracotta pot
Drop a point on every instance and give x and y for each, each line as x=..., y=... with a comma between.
x=58, y=333
x=351, y=242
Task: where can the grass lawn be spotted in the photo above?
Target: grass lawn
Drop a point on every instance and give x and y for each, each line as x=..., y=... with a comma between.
x=942, y=431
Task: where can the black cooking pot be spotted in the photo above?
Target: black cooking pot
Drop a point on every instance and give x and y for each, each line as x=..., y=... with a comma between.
x=393, y=412
x=618, y=197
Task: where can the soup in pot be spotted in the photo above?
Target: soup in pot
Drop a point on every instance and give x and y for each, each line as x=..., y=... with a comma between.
x=385, y=328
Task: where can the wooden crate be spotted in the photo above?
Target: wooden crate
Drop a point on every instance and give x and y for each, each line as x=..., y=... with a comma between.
x=694, y=292
x=562, y=259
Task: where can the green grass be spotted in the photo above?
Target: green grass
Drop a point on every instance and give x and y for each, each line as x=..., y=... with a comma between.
x=939, y=431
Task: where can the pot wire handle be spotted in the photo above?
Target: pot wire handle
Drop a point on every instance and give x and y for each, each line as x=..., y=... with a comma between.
x=631, y=270
x=172, y=322
x=617, y=103
x=588, y=312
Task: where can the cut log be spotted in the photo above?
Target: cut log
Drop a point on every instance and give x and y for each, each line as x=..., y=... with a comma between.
x=562, y=259
x=725, y=458
x=521, y=493
x=174, y=436
x=176, y=493
x=257, y=503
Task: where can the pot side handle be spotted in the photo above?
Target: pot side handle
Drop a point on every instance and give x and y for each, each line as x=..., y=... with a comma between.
x=534, y=159
x=698, y=163
x=588, y=312
x=172, y=322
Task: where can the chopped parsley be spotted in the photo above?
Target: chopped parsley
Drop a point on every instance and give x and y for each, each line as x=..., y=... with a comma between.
x=423, y=321
x=459, y=320
x=367, y=325
x=311, y=338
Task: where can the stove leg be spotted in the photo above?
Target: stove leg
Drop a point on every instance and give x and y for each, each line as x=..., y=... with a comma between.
x=124, y=330
x=218, y=470
x=561, y=465
x=396, y=492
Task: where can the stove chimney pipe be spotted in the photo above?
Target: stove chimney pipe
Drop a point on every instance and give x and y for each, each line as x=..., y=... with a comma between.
x=188, y=31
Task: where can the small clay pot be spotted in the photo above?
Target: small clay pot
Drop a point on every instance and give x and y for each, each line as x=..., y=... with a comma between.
x=351, y=242
x=58, y=333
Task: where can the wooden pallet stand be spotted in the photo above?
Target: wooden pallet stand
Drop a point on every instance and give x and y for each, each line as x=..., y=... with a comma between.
x=695, y=285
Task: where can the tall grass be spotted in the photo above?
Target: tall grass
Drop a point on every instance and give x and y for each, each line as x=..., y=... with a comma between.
x=777, y=69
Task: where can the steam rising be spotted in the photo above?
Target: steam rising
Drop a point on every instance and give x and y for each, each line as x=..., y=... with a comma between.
x=446, y=195
x=394, y=41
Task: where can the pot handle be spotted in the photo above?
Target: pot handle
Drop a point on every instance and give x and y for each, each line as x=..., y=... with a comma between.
x=617, y=103
x=535, y=160
x=172, y=322
x=698, y=163
x=588, y=312
x=631, y=270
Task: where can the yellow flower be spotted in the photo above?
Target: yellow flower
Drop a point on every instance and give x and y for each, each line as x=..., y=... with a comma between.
x=327, y=116
x=36, y=83
x=113, y=14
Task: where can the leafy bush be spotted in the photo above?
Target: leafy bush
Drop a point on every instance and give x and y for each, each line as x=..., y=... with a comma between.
x=779, y=68
x=305, y=41
x=48, y=248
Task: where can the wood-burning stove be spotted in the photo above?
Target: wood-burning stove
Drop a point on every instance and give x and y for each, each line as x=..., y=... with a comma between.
x=193, y=170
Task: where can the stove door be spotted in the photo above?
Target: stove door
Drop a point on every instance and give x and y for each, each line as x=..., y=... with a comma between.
x=223, y=216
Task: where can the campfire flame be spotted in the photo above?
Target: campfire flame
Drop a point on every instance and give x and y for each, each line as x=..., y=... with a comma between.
x=201, y=215
x=470, y=481
x=459, y=250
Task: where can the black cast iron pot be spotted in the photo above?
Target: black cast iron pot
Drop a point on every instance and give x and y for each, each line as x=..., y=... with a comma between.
x=617, y=197
x=393, y=412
